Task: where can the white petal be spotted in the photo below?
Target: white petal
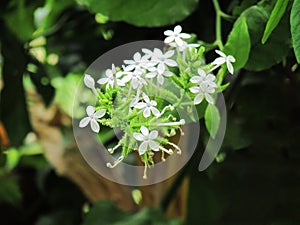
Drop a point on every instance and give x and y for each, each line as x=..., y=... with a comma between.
x=169, y=54
x=161, y=68
x=129, y=62
x=195, y=90
x=137, y=57
x=99, y=113
x=146, y=112
x=146, y=98
x=153, y=134
x=220, y=53
x=168, y=73
x=229, y=66
x=201, y=72
x=126, y=78
x=95, y=126
x=168, y=33
x=196, y=79
x=160, y=79
x=89, y=81
x=178, y=41
x=153, y=103
x=209, y=99
x=138, y=136
x=134, y=82
x=169, y=39
x=184, y=36
x=143, y=148
x=151, y=75
x=154, y=145
x=144, y=130
x=219, y=61
x=120, y=82
x=84, y=122
x=198, y=99
x=231, y=58
x=170, y=62
x=140, y=105
x=177, y=29
x=155, y=111
x=210, y=77
x=147, y=51
x=90, y=110
x=102, y=81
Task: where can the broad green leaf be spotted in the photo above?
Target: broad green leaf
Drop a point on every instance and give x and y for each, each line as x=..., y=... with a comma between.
x=274, y=19
x=278, y=46
x=295, y=28
x=9, y=190
x=147, y=13
x=212, y=119
x=238, y=44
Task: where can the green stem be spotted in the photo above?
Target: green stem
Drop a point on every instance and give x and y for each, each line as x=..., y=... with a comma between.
x=219, y=13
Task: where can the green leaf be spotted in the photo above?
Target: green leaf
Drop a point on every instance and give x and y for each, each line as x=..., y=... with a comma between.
x=274, y=19
x=148, y=13
x=212, y=119
x=238, y=44
x=295, y=28
x=261, y=56
x=9, y=190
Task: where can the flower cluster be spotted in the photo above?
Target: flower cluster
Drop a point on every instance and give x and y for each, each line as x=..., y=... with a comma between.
x=141, y=97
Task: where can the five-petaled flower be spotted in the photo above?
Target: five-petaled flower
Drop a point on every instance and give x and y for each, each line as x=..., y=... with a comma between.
x=204, y=78
x=155, y=72
x=112, y=78
x=163, y=59
x=147, y=139
x=139, y=63
x=224, y=59
x=92, y=118
x=148, y=107
x=204, y=90
x=176, y=36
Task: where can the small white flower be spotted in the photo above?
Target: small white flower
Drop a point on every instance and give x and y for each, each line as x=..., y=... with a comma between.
x=112, y=76
x=224, y=59
x=154, y=72
x=139, y=63
x=204, y=90
x=148, y=107
x=137, y=81
x=176, y=36
x=147, y=140
x=92, y=118
x=163, y=59
x=184, y=46
x=204, y=78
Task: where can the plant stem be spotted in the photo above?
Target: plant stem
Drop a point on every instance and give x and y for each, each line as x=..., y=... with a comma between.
x=219, y=13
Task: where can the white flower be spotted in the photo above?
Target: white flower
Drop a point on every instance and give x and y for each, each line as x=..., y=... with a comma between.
x=184, y=46
x=147, y=139
x=163, y=59
x=154, y=72
x=204, y=78
x=112, y=76
x=176, y=36
x=137, y=81
x=204, y=90
x=148, y=107
x=139, y=63
x=224, y=59
x=92, y=118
